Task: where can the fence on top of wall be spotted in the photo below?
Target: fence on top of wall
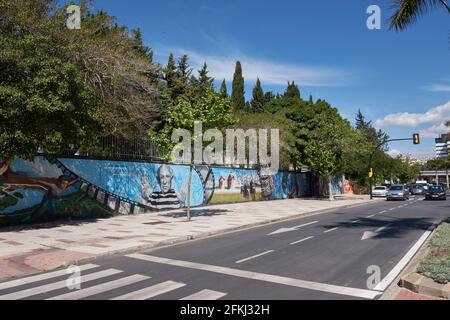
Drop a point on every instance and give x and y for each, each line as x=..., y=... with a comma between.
x=52, y=188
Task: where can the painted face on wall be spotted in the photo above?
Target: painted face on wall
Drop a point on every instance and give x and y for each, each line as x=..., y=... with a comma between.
x=165, y=178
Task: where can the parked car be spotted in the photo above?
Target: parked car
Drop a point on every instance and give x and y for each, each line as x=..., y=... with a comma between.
x=380, y=191
x=436, y=193
x=398, y=192
x=417, y=189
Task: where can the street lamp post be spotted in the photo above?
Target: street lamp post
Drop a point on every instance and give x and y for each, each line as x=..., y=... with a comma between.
x=415, y=139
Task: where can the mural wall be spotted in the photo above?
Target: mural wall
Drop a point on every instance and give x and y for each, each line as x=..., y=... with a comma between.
x=73, y=188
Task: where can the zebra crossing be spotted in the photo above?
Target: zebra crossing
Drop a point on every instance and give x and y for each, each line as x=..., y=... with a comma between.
x=96, y=283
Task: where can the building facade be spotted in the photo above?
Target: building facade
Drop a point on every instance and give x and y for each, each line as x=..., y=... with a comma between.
x=443, y=145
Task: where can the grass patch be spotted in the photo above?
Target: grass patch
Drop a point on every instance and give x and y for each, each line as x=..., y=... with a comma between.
x=232, y=197
x=436, y=265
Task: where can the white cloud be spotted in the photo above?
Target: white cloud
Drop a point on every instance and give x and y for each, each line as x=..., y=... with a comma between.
x=394, y=153
x=434, y=131
x=435, y=116
x=437, y=88
x=269, y=72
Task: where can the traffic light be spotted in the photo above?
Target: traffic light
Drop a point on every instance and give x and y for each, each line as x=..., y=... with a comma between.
x=371, y=173
x=416, y=138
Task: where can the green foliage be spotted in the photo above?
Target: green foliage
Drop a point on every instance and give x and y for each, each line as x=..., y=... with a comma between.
x=257, y=103
x=61, y=89
x=238, y=93
x=213, y=111
x=292, y=91
x=223, y=90
x=436, y=264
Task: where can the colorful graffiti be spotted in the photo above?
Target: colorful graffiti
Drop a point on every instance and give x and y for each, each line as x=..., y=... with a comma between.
x=47, y=189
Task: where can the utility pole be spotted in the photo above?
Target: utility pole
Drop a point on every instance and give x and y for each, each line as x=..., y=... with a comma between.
x=415, y=139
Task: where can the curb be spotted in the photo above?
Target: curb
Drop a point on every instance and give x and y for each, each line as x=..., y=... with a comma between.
x=199, y=236
x=423, y=285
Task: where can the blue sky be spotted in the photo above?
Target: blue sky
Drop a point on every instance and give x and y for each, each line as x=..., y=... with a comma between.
x=401, y=81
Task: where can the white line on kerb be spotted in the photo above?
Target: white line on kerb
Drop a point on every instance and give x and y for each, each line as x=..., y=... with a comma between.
x=330, y=230
x=354, y=292
x=403, y=262
x=299, y=241
x=255, y=256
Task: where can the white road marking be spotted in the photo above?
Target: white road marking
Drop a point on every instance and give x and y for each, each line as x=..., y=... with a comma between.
x=104, y=287
x=282, y=230
x=151, y=292
x=371, y=216
x=299, y=241
x=354, y=292
x=384, y=211
x=40, y=277
x=354, y=221
x=56, y=285
x=330, y=230
x=404, y=261
x=372, y=234
x=255, y=256
x=391, y=209
x=205, y=295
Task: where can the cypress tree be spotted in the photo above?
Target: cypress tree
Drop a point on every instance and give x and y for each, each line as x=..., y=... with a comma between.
x=238, y=94
x=223, y=90
x=292, y=91
x=311, y=100
x=257, y=103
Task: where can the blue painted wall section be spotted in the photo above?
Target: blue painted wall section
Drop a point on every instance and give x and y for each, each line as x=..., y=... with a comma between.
x=48, y=189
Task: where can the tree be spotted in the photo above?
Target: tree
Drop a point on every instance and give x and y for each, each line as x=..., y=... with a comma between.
x=213, y=111
x=198, y=86
x=138, y=44
x=435, y=164
x=321, y=138
x=223, y=90
x=268, y=97
x=182, y=79
x=170, y=75
x=257, y=103
x=238, y=93
x=408, y=11
x=292, y=91
x=125, y=78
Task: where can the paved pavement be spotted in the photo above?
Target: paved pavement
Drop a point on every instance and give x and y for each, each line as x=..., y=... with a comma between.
x=324, y=256
x=46, y=247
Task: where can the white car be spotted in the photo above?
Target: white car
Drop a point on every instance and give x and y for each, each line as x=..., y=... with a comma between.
x=380, y=191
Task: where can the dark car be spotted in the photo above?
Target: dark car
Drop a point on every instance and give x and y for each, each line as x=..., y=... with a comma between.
x=436, y=193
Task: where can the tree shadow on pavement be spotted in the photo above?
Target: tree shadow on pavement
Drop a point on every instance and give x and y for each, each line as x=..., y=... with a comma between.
x=196, y=213
x=393, y=228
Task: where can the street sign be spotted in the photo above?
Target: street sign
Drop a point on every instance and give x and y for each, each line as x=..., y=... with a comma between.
x=416, y=138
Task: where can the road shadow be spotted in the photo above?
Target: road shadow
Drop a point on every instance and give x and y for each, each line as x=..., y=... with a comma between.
x=393, y=228
x=196, y=213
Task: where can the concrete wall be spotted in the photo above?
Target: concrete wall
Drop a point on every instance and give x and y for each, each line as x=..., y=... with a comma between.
x=59, y=188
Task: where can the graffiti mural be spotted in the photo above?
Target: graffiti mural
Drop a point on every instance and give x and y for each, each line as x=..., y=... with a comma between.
x=48, y=189
x=42, y=191
x=235, y=185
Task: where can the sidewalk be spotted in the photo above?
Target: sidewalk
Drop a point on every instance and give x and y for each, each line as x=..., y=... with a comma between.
x=45, y=247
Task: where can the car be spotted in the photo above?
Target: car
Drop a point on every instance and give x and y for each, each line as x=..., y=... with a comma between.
x=397, y=192
x=436, y=192
x=417, y=189
x=380, y=191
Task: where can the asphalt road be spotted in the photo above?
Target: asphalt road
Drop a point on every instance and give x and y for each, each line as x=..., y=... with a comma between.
x=333, y=255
